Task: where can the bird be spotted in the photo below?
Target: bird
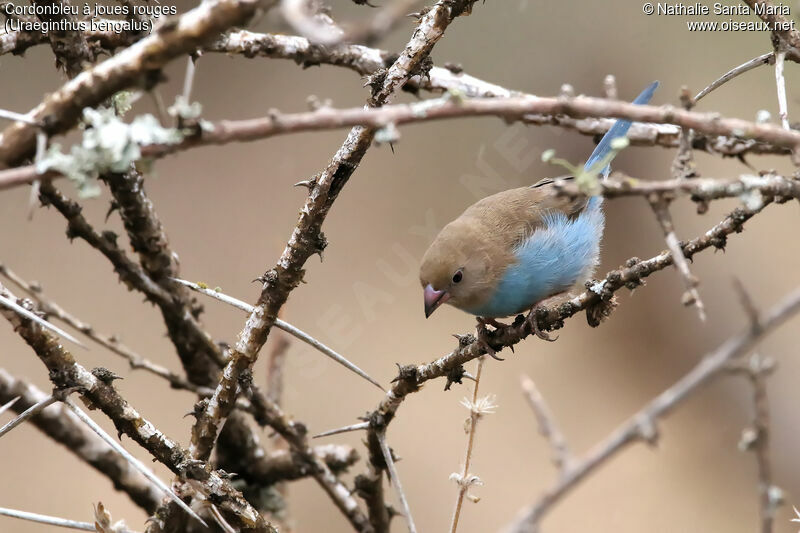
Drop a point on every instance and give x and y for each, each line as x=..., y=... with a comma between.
x=512, y=250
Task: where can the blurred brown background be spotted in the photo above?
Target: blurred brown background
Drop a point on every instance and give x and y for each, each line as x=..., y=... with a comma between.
x=228, y=212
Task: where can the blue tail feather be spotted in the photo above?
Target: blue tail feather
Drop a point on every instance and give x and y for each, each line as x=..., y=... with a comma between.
x=619, y=129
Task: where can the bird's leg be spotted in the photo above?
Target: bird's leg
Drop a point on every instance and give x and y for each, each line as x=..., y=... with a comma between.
x=531, y=318
x=483, y=336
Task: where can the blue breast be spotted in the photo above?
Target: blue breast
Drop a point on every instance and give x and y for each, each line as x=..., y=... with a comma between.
x=560, y=253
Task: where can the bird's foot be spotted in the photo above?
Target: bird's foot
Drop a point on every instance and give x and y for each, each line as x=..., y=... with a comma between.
x=534, y=322
x=483, y=336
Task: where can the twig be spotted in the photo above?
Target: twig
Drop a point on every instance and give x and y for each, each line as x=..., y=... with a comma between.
x=683, y=165
x=11, y=304
x=531, y=110
x=690, y=282
x=28, y=413
x=66, y=373
x=756, y=437
x=11, y=115
x=465, y=480
x=63, y=107
x=748, y=187
x=366, y=61
x=277, y=466
x=736, y=71
x=354, y=427
x=199, y=354
x=562, y=457
x=398, y=487
x=51, y=520
x=780, y=81
x=642, y=425
x=280, y=324
x=63, y=427
x=524, y=108
x=111, y=342
x=134, y=462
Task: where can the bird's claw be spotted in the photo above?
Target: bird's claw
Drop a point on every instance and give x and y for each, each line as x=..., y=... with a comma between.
x=535, y=326
x=483, y=338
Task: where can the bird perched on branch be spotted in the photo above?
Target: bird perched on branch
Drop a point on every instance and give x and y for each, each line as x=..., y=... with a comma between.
x=510, y=251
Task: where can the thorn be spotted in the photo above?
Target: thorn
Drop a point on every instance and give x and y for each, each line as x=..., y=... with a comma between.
x=345, y=429
x=308, y=184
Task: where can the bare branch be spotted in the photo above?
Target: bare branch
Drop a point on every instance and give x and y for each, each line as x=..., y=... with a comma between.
x=199, y=354
x=395, y=479
x=465, y=480
x=66, y=373
x=780, y=81
x=736, y=71
x=756, y=438
x=11, y=304
x=17, y=117
x=111, y=342
x=750, y=188
x=548, y=428
x=529, y=109
x=28, y=413
x=690, y=282
x=280, y=324
x=63, y=427
x=133, y=461
x=317, y=27
x=63, y=107
x=642, y=425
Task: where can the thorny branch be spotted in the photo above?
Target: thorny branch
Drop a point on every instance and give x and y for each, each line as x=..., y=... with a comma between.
x=306, y=240
x=60, y=424
x=98, y=389
x=757, y=369
x=137, y=66
x=562, y=457
x=112, y=342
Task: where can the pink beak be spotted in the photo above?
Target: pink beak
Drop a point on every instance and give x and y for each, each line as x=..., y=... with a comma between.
x=433, y=299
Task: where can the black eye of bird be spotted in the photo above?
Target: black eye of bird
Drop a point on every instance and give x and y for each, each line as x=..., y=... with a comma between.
x=457, y=276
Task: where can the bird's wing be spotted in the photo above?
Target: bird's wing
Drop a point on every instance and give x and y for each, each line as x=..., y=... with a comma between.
x=507, y=218
x=549, y=200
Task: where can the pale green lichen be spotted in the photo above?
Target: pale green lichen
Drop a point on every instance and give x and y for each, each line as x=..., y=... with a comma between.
x=123, y=101
x=108, y=145
x=184, y=109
